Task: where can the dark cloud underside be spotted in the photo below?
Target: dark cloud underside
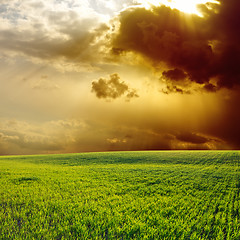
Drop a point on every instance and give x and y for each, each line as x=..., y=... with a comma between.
x=203, y=48
x=112, y=88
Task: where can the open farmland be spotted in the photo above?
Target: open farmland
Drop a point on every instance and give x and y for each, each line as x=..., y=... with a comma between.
x=121, y=195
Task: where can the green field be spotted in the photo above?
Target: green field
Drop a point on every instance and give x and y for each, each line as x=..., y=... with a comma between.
x=121, y=195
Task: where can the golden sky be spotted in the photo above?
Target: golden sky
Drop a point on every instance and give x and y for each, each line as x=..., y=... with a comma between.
x=103, y=75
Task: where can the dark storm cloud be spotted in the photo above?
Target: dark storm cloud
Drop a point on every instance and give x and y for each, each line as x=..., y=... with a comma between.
x=203, y=48
x=210, y=87
x=175, y=74
x=192, y=138
x=112, y=88
x=176, y=81
x=172, y=88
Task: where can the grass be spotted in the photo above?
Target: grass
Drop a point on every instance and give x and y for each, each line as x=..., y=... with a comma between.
x=121, y=195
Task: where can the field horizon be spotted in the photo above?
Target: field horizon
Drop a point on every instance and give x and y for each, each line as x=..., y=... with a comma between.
x=121, y=151
x=121, y=195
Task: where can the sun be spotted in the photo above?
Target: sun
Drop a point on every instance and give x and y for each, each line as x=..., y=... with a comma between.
x=187, y=6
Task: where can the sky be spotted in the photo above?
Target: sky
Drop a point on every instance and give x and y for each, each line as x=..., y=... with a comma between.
x=113, y=75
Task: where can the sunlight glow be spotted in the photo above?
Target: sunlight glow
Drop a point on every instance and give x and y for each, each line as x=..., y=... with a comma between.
x=187, y=6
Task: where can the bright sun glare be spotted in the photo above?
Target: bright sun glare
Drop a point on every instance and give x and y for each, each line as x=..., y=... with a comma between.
x=187, y=6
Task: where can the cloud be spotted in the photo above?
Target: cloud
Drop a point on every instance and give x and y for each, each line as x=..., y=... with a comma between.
x=199, y=48
x=69, y=124
x=18, y=137
x=140, y=139
x=146, y=139
x=132, y=94
x=116, y=140
x=5, y=137
x=209, y=87
x=195, y=141
x=176, y=81
x=171, y=88
x=66, y=33
x=110, y=6
x=112, y=88
x=174, y=75
x=192, y=138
